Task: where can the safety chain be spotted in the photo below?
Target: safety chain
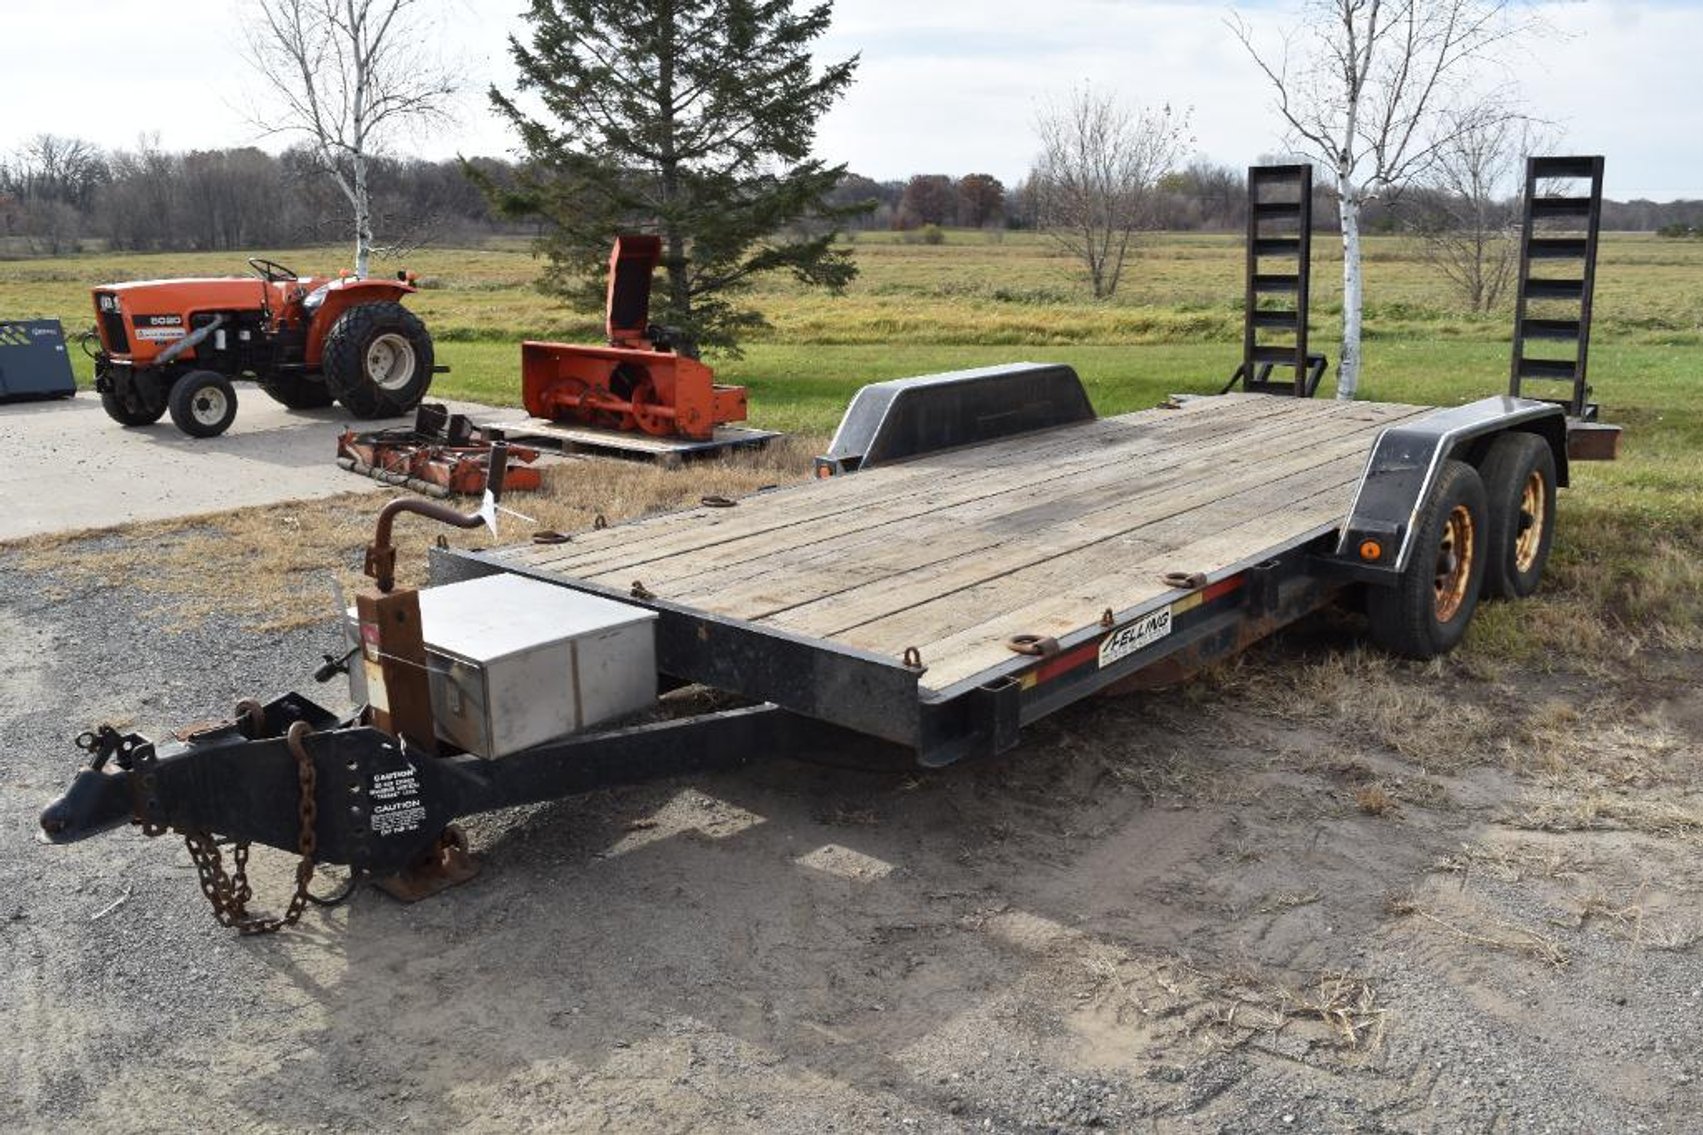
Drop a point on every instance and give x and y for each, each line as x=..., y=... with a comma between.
x=229, y=893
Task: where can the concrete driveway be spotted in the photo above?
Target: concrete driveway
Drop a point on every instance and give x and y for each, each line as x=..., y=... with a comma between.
x=69, y=466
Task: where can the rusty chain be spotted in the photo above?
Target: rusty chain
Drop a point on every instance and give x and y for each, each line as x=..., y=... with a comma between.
x=229, y=893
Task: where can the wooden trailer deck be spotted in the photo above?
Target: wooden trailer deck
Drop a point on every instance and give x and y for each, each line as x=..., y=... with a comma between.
x=955, y=552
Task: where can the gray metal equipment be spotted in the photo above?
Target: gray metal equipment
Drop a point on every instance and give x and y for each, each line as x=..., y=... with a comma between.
x=33, y=362
x=514, y=662
x=889, y=421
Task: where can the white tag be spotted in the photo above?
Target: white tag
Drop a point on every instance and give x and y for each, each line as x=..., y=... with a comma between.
x=1131, y=637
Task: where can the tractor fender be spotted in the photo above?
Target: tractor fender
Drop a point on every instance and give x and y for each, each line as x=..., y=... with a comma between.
x=340, y=296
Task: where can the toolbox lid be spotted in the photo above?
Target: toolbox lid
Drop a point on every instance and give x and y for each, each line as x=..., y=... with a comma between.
x=497, y=616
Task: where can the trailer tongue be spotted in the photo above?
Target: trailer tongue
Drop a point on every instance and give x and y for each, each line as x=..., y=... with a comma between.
x=968, y=561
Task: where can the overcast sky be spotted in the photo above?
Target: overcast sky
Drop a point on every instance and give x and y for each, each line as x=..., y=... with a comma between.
x=947, y=86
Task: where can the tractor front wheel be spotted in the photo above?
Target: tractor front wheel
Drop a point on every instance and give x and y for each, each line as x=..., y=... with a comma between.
x=203, y=403
x=132, y=399
x=378, y=360
x=297, y=391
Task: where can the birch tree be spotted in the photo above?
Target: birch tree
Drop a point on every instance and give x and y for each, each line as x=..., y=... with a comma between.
x=1095, y=180
x=1373, y=91
x=347, y=75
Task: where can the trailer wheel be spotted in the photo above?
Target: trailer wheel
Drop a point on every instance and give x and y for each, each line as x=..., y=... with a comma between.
x=1427, y=611
x=203, y=403
x=1519, y=483
x=297, y=391
x=378, y=360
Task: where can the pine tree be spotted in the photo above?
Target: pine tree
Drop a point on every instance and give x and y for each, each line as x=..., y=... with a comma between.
x=693, y=119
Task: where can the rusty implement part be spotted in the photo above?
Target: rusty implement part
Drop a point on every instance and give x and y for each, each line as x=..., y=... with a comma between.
x=1041, y=646
x=381, y=553
x=1592, y=441
x=228, y=892
x=448, y=864
x=434, y=467
x=393, y=657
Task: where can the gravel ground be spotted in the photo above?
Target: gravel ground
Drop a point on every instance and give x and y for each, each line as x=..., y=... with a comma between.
x=1161, y=913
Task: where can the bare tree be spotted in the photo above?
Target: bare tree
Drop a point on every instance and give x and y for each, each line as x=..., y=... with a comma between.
x=51, y=168
x=1468, y=224
x=1094, y=182
x=347, y=74
x=51, y=182
x=1374, y=90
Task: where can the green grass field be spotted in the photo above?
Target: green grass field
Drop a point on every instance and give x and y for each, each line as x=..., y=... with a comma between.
x=1175, y=324
x=1636, y=527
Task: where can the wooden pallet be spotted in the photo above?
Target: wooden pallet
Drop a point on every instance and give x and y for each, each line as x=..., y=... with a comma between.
x=619, y=443
x=955, y=552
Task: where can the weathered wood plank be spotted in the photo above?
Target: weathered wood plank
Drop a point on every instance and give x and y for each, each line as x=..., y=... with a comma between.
x=939, y=480
x=975, y=649
x=968, y=545
x=913, y=605
x=825, y=554
x=956, y=551
x=930, y=606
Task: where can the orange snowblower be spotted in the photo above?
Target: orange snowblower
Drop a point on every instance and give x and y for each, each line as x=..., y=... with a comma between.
x=638, y=382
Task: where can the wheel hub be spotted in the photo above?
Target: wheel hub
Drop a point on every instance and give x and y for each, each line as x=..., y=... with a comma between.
x=1533, y=501
x=1454, y=563
x=208, y=405
x=390, y=362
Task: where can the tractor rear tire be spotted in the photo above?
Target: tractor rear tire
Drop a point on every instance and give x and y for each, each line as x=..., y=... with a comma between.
x=378, y=360
x=203, y=403
x=297, y=391
x=1426, y=612
x=133, y=399
x=1519, y=480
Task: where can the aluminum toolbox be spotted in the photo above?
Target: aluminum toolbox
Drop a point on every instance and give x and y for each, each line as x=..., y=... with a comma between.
x=515, y=662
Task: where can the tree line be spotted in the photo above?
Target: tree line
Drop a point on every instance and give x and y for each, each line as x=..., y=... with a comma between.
x=58, y=195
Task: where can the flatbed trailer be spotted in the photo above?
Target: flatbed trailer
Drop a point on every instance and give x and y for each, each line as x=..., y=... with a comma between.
x=978, y=551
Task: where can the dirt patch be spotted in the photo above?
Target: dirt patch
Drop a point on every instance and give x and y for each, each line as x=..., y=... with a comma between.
x=1317, y=890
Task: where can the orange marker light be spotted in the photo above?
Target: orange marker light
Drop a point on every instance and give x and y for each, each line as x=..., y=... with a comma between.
x=1371, y=550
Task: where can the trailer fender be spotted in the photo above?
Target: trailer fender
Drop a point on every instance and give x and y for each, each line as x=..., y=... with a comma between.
x=907, y=417
x=1376, y=542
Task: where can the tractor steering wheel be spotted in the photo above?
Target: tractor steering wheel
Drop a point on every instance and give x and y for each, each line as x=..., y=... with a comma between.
x=270, y=270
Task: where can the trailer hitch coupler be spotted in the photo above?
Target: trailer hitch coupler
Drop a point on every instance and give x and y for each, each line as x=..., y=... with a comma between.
x=95, y=802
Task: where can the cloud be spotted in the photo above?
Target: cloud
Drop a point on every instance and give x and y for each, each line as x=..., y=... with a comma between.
x=947, y=86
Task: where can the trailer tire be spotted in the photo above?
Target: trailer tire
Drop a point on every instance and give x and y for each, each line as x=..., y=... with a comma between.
x=1519, y=485
x=203, y=403
x=1427, y=610
x=297, y=391
x=378, y=360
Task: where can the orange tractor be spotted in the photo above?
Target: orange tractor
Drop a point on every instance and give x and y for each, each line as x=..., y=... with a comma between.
x=176, y=344
x=638, y=382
